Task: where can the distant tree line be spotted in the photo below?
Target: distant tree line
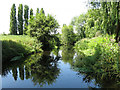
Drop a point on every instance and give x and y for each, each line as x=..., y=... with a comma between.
x=19, y=23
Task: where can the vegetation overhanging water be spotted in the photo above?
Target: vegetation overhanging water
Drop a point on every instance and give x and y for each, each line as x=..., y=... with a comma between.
x=44, y=70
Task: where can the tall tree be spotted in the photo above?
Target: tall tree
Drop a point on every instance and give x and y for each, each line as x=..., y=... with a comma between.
x=31, y=12
x=20, y=19
x=13, y=21
x=26, y=10
x=41, y=27
x=111, y=23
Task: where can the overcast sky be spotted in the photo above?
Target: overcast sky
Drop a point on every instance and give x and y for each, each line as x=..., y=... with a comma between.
x=63, y=10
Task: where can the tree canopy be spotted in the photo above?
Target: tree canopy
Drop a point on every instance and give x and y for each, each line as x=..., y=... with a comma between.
x=42, y=27
x=68, y=35
x=103, y=17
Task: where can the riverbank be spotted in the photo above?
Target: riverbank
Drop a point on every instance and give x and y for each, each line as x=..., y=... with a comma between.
x=99, y=57
x=16, y=46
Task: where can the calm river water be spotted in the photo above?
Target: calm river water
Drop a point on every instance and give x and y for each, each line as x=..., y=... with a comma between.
x=49, y=70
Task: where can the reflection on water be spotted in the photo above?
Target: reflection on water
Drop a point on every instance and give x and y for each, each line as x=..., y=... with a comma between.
x=55, y=69
x=41, y=69
x=106, y=75
x=67, y=54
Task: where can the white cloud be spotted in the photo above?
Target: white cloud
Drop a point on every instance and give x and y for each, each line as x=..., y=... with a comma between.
x=63, y=10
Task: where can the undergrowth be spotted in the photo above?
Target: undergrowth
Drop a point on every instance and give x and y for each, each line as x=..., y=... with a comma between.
x=98, y=54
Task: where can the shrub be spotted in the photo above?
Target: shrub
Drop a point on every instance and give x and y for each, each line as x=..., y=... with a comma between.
x=100, y=54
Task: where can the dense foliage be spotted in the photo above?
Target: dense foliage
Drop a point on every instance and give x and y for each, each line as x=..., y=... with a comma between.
x=20, y=19
x=26, y=14
x=43, y=28
x=98, y=55
x=98, y=58
x=68, y=36
x=102, y=17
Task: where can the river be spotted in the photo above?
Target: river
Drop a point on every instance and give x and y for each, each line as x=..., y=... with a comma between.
x=47, y=70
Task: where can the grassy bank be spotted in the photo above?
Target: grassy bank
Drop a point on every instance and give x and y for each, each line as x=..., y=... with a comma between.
x=16, y=46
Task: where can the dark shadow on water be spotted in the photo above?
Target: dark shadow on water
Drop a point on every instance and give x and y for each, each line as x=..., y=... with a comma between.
x=11, y=49
x=40, y=68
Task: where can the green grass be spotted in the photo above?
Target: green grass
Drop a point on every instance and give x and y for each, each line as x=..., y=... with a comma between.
x=16, y=46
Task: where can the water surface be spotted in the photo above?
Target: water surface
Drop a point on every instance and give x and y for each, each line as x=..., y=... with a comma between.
x=48, y=71
x=53, y=69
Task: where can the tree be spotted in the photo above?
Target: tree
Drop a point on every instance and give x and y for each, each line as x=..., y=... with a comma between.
x=13, y=21
x=20, y=19
x=93, y=22
x=31, y=12
x=68, y=35
x=26, y=14
x=42, y=27
x=111, y=15
x=79, y=22
x=101, y=17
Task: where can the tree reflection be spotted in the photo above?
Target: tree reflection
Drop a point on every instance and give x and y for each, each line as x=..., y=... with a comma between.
x=40, y=68
x=15, y=73
x=8, y=66
x=105, y=75
x=67, y=54
x=27, y=72
x=103, y=80
x=45, y=71
x=21, y=72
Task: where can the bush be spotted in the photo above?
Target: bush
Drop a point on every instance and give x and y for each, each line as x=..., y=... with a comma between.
x=99, y=53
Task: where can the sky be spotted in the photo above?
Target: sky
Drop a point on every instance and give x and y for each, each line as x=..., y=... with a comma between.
x=62, y=10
